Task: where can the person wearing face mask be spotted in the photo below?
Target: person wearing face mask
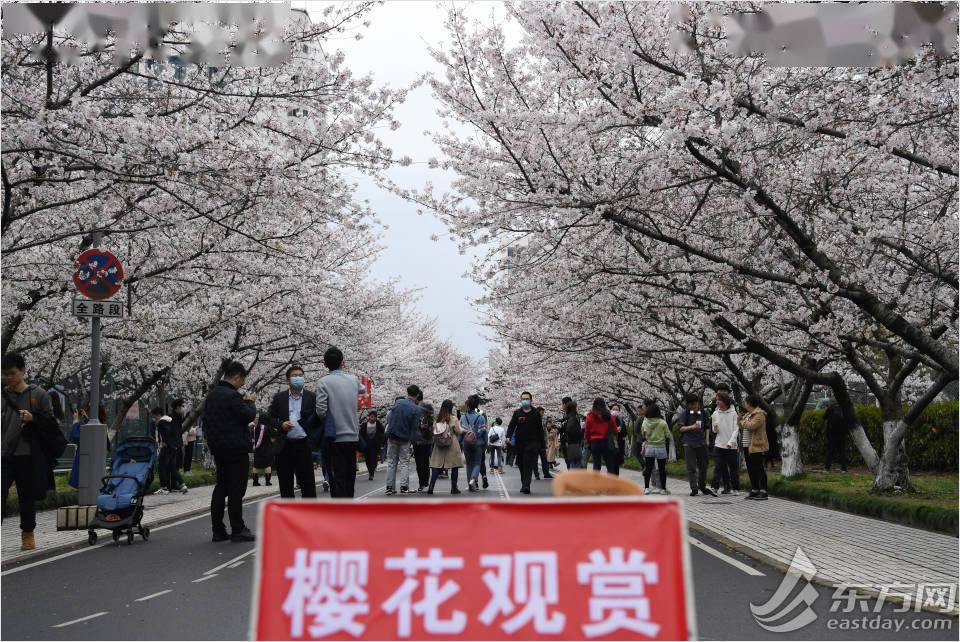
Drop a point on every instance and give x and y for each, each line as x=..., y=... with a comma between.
x=288, y=411
x=372, y=432
x=525, y=432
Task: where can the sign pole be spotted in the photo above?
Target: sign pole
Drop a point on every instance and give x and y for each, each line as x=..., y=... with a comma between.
x=93, y=435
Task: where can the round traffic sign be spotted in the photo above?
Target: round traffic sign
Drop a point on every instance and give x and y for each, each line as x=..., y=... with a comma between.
x=98, y=274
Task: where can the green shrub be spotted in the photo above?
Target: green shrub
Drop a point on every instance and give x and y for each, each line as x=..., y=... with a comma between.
x=931, y=442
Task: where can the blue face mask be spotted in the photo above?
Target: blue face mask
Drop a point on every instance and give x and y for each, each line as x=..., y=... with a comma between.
x=298, y=382
x=524, y=403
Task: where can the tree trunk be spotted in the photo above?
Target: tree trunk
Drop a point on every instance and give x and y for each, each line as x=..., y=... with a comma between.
x=791, y=464
x=864, y=447
x=893, y=474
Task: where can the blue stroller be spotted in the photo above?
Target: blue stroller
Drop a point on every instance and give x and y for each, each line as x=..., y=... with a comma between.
x=120, y=503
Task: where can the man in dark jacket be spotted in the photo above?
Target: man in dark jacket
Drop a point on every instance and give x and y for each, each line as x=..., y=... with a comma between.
x=289, y=411
x=525, y=432
x=371, y=430
x=30, y=443
x=226, y=424
x=168, y=433
x=836, y=429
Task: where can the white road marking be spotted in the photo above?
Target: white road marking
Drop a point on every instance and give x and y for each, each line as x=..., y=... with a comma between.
x=79, y=619
x=229, y=562
x=153, y=595
x=503, y=488
x=235, y=564
x=749, y=570
x=153, y=529
x=375, y=490
x=204, y=579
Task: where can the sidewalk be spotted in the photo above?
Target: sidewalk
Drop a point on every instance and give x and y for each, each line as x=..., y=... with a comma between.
x=863, y=553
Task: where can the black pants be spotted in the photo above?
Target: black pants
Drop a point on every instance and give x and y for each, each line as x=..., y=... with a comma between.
x=602, y=454
x=435, y=475
x=421, y=456
x=836, y=449
x=696, y=458
x=343, y=468
x=544, y=464
x=168, y=470
x=511, y=455
x=757, y=472
x=295, y=460
x=527, y=461
x=187, y=456
x=726, y=468
x=370, y=457
x=648, y=471
x=19, y=470
x=233, y=467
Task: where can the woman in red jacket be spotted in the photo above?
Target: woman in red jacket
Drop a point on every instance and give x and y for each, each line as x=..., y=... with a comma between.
x=601, y=431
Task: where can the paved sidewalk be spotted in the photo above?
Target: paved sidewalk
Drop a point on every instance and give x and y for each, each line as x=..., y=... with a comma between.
x=861, y=552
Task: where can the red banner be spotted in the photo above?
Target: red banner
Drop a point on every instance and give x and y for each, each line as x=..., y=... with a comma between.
x=365, y=400
x=566, y=569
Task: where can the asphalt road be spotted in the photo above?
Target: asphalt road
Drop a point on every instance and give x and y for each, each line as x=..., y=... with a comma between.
x=180, y=585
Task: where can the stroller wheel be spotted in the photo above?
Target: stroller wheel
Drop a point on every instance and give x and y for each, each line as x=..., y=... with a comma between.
x=145, y=533
x=116, y=536
x=130, y=537
x=92, y=538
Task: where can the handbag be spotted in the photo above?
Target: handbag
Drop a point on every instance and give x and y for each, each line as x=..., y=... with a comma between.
x=494, y=438
x=444, y=439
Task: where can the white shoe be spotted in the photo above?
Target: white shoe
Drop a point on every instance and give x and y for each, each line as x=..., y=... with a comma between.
x=184, y=489
x=161, y=491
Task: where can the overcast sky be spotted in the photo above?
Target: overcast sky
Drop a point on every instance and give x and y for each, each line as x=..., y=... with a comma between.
x=394, y=50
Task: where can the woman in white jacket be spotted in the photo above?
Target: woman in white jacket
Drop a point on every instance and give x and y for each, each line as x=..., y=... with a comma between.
x=725, y=447
x=495, y=440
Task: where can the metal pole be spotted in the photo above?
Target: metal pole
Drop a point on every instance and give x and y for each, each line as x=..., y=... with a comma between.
x=93, y=435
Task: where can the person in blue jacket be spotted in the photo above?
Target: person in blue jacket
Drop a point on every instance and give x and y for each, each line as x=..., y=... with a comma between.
x=80, y=417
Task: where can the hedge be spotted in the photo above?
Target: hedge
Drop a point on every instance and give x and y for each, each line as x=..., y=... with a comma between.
x=68, y=497
x=931, y=442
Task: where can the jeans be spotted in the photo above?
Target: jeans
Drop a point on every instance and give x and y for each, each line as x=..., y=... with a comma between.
x=435, y=475
x=757, y=472
x=648, y=471
x=474, y=455
x=421, y=456
x=726, y=468
x=696, y=458
x=603, y=454
x=526, y=460
x=398, y=455
x=496, y=457
x=233, y=467
x=295, y=460
x=19, y=469
x=343, y=468
x=326, y=447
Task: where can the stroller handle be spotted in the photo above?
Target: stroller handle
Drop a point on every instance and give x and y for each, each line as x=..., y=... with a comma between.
x=103, y=480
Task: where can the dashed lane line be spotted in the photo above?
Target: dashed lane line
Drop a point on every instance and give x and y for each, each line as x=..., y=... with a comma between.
x=153, y=595
x=230, y=561
x=78, y=620
x=205, y=578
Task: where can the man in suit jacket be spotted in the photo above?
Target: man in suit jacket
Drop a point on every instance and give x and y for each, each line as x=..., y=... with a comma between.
x=290, y=419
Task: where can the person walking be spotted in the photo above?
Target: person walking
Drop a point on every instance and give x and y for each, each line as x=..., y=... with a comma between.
x=169, y=436
x=693, y=429
x=495, y=438
x=422, y=444
x=226, y=419
x=601, y=436
x=654, y=452
x=372, y=432
x=447, y=454
x=289, y=417
x=32, y=442
x=617, y=415
x=189, y=437
x=836, y=429
x=473, y=441
x=337, y=397
x=263, y=453
x=726, y=431
x=572, y=434
x=542, y=451
x=402, y=424
x=553, y=443
x=753, y=423
x=525, y=432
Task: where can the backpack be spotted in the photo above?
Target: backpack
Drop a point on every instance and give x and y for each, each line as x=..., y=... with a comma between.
x=444, y=439
x=493, y=438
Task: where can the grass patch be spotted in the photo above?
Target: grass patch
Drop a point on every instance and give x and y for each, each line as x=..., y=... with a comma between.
x=933, y=504
x=65, y=495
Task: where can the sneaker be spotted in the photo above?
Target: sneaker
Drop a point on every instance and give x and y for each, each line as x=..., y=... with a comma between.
x=472, y=486
x=326, y=485
x=404, y=490
x=525, y=490
x=390, y=491
x=256, y=482
x=421, y=489
x=161, y=491
x=751, y=495
x=709, y=491
x=371, y=476
x=243, y=536
x=762, y=495
x=486, y=484
x=537, y=477
x=694, y=492
x=220, y=536
x=726, y=491
x=455, y=491
x=269, y=483
x=547, y=476
x=664, y=491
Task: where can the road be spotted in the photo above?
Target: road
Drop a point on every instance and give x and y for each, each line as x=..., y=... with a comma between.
x=180, y=585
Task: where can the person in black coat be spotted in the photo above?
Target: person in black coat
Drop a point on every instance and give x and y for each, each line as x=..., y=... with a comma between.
x=226, y=425
x=290, y=420
x=371, y=430
x=526, y=433
x=836, y=429
x=168, y=433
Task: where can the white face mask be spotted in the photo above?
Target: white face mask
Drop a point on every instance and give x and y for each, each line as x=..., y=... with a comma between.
x=371, y=424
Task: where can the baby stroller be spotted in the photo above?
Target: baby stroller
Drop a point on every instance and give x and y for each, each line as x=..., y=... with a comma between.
x=120, y=503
